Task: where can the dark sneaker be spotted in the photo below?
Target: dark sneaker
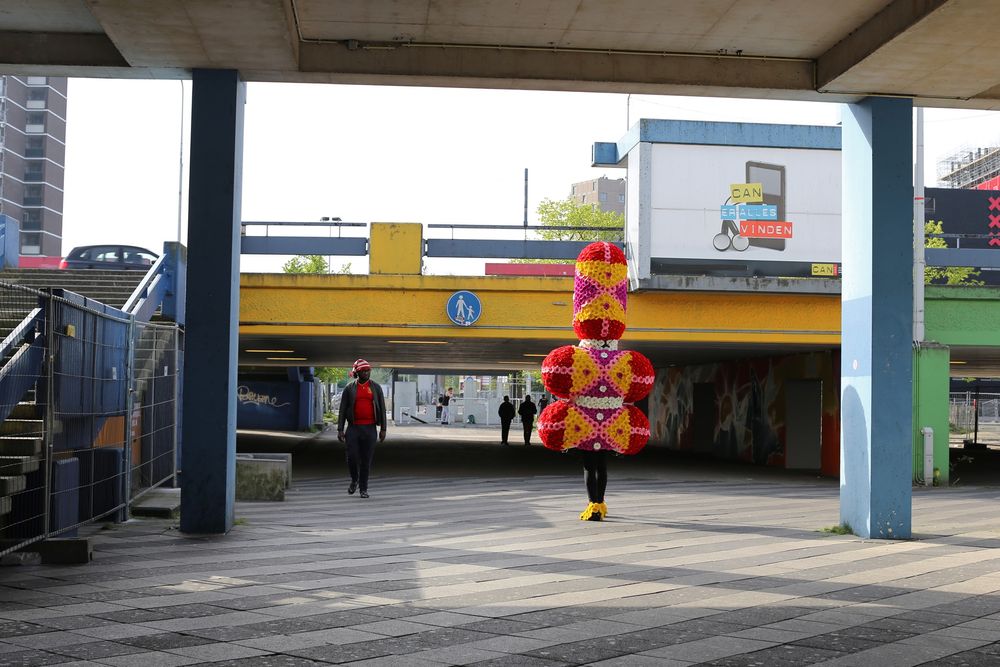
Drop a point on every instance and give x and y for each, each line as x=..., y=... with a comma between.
x=352, y=488
x=364, y=494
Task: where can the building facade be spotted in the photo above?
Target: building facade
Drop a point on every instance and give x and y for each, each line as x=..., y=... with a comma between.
x=32, y=159
x=604, y=193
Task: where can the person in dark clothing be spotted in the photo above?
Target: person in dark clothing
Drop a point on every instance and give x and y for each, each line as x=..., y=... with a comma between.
x=595, y=476
x=506, y=413
x=542, y=402
x=445, y=410
x=362, y=409
x=527, y=412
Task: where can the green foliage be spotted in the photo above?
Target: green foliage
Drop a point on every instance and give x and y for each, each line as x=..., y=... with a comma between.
x=329, y=375
x=946, y=275
x=312, y=264
x=604, y=225
x=842, y=529
x=306, y=264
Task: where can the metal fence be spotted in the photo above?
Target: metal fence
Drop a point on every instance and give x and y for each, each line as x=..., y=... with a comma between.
x=975, y=417
x=89, y=401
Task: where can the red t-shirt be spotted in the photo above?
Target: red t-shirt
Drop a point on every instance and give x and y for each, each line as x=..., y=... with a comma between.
x=364, y=405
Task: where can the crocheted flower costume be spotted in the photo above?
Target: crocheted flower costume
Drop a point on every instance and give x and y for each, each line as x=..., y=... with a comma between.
x=595, y=381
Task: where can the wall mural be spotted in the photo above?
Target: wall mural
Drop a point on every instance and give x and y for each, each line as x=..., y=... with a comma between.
x=746, y=400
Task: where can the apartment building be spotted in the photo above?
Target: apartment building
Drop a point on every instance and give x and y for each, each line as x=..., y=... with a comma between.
x=32, y=159
x=604, y=193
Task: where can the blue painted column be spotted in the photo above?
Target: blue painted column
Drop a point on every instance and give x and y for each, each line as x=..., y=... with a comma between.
x=877, y=355
x=208, y=478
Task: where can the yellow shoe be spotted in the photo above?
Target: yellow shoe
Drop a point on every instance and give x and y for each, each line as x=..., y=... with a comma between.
x=602, y=508
x=592, y=513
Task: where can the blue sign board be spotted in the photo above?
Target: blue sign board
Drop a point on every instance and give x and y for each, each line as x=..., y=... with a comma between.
x=464, y=308
x=748, y=212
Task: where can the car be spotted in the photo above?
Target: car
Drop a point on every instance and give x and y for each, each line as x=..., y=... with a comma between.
x=111, y=256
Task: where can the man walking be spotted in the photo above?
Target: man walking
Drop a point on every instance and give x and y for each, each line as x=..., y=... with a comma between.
x=506, y=413
x=362, y=408
x=527, y=412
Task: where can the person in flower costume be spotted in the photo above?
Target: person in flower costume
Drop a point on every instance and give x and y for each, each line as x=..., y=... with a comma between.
x=595, y=382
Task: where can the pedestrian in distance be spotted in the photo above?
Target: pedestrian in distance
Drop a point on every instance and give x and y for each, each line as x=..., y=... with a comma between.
x=527, y=411
x=362, y=410
x=445, y=410
x=506, y=413
x=542, y=402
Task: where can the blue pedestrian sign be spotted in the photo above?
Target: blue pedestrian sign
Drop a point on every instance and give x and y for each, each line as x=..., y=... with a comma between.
x=463, y=308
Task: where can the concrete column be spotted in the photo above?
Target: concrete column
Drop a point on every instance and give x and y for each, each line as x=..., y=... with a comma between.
x=208, y=478
x=877, y=356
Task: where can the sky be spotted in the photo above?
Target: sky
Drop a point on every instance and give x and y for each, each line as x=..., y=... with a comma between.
x=383, y=154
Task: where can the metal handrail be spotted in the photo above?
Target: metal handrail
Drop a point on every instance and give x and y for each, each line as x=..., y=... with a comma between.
x=141, y=290
x=18, y=333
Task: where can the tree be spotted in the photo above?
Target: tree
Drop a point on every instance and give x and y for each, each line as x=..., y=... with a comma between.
x=306, y=264
x=329, y=375
x=570, y=213
x=945, y=275
x=312, y=264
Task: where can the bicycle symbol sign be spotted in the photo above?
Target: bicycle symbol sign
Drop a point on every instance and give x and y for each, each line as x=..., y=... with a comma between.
x=464, y=308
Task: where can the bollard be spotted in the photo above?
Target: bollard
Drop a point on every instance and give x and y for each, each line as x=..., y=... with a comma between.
x=928, y=434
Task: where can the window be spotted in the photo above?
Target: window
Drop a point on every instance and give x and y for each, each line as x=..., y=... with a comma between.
x=621, y=199
x=31, y=243
x=136, y=256
x=31, y=219
x=34, y=147
x=37, y=98
x=573, y=192
x=602, y=196
x=105, y=254
x=34, y=122
x=37, y=81
x=34, y=171
x=34, y=195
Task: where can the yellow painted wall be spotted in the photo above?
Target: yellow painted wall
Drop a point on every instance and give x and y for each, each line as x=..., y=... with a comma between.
x=522, y=307
x=395, y=248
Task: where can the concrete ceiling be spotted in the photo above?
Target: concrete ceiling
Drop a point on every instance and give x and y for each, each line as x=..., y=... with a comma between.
x=940, y=52
x=475, y=354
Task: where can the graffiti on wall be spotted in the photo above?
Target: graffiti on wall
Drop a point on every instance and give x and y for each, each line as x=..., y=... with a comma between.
x=742, y=407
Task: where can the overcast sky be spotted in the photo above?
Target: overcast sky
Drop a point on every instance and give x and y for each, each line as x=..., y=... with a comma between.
x=383, y=153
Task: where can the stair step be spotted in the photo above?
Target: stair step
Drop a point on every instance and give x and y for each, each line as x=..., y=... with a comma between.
x=18, y=465
x=25, y=411
x=23, y=427
x=4, y=505
x=11, y=484
x=12, y=445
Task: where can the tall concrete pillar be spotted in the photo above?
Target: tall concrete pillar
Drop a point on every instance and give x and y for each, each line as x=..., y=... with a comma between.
x=208, y=477
x=877, y=355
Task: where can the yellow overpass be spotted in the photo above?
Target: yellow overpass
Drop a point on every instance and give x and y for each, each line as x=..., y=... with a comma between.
x=330, y=320
x=396, y=317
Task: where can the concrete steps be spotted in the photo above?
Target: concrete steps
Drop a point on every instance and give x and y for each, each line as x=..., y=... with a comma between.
x=109, y=287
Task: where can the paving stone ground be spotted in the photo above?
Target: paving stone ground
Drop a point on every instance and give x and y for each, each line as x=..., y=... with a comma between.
x=485, y=563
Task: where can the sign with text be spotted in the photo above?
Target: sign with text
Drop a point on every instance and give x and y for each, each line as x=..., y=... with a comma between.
x=751, y=208
x=746, y=192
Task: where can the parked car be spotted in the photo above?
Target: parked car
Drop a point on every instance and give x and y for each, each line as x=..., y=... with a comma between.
x=109, y=257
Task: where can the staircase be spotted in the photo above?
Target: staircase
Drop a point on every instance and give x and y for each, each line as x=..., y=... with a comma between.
x=111, y=288
x=22, y=432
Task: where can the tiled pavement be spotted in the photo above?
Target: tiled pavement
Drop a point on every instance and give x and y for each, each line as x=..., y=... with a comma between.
x=688, y=569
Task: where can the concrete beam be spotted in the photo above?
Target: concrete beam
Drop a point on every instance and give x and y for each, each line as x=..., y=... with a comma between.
x=894, y=20
x=59, y=48
x=570, y=69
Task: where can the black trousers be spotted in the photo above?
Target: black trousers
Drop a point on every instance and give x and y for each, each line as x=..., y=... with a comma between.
x=595, y=474
x=527, y=430
x=360, y=452
x=504, y=429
